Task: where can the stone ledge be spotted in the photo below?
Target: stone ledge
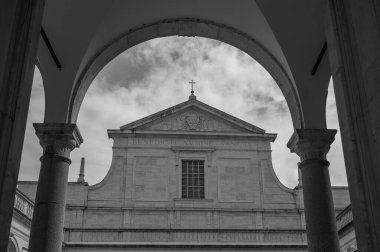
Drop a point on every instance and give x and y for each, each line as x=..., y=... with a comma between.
x=219, y=230
x=185, y=208
x=185, y=236
x=193, y=200
x=127, y=245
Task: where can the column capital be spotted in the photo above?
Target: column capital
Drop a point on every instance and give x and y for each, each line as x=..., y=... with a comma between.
x=311, y=143
x=58, y=139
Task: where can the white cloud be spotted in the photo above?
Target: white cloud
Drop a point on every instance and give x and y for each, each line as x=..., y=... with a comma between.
x=154, y=75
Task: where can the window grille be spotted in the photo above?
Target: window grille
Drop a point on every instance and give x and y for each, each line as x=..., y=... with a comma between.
x=193, y=179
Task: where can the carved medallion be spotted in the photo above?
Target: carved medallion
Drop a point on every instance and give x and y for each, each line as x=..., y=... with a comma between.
x=192, y=121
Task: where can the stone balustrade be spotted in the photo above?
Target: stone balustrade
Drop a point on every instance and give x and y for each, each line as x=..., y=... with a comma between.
x=344, y=218
x=23, y=205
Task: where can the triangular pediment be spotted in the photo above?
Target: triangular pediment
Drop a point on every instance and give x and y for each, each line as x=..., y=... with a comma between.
x=193, y=116
x=192, y=119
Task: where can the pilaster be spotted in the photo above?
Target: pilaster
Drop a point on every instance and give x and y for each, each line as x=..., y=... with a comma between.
x=353, y=39
x=20, y=26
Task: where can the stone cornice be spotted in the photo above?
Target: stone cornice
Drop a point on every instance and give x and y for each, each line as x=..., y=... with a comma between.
x=194, y=104
x=127, y=133
x=192, y=149
x=344, y=219
x=311, y=143
x=180, y=246
x=187, y=238
x=183, y=208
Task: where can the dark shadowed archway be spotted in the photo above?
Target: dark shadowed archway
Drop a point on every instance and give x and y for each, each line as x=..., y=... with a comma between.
x=187, y=27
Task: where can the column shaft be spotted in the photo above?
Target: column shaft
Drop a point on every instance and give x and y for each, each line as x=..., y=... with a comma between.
x=20, y=27
x=48, y=218
x=353, y=37
x=49, y=205
x=312, y=145
x=319, y=207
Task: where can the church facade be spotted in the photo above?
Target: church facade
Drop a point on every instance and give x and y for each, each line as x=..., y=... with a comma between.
x=188, y=177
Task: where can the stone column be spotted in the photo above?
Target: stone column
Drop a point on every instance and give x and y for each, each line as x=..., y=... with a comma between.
x=57, y=141
x=312, y=146
x=20, y=25
x=353, y=39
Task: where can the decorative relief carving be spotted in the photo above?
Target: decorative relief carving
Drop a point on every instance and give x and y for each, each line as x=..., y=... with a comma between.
x=23, y=204
x=190, y=121
x=344, y=218
x=58, y=139
x=58, y=149
x=311, y=143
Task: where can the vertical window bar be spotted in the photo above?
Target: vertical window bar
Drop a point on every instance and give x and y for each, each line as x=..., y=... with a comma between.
x=193, y=179
x=187, y=180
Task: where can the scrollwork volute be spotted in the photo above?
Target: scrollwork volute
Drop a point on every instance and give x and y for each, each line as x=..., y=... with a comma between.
x=311, y=143
x=58, y=139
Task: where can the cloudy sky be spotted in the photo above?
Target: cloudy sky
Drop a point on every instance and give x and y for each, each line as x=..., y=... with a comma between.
x=153, y=76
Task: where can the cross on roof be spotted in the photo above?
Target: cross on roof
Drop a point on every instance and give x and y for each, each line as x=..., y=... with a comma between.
x=192, y=86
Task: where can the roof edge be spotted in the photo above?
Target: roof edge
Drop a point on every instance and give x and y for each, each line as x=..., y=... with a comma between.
x=112, y=133
x=192, y=102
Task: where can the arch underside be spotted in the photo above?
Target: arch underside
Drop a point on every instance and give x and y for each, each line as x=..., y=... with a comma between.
x=12, y=245
x=189, y=27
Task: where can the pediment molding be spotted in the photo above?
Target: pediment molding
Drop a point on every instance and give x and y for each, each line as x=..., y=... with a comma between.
x=192, y=116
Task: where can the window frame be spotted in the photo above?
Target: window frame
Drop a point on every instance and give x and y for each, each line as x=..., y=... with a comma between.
x=192, y=157
x=193, y=153
x=184, y=159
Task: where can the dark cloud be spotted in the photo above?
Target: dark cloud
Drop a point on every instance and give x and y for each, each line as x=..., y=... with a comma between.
x=142, y=101
x=281, y=107
x=262, y=97
x=262, y=111
x=205, y=57
x=175, y=56
x=123, y=71
x=263, y=104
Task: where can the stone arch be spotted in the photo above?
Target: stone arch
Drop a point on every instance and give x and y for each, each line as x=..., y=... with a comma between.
x=12, y=245
x=42, y=73
x=189, y=27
